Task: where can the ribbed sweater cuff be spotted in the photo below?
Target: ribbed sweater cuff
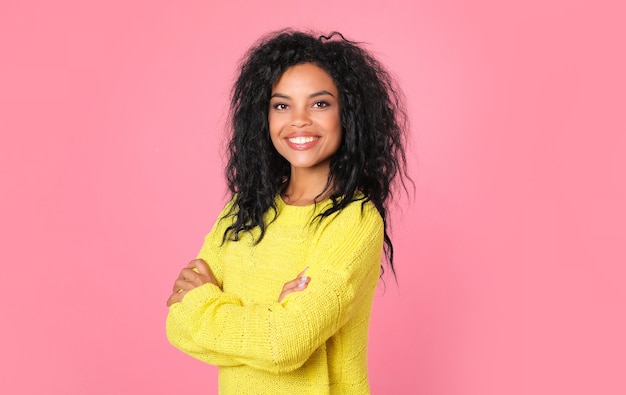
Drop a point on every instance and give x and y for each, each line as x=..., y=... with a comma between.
x=202, y=295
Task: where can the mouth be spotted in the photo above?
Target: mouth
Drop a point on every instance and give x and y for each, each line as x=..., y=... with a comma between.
x=302, y=140
x=301, y=143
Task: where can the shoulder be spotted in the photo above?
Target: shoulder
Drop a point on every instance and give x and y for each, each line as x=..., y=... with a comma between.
x=350, y=239
x=359, y=217
x=224, y=219
x=360, y=210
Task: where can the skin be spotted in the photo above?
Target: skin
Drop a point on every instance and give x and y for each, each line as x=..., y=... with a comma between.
x=305, y=103
x=195, y=274
x=305, y=128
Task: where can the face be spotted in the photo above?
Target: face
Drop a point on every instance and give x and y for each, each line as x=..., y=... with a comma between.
x=304, y=117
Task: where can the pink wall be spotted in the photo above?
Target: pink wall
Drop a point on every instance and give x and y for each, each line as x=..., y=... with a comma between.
x=511, y=257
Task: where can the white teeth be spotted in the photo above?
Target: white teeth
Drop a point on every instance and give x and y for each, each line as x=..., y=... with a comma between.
x=301, y=140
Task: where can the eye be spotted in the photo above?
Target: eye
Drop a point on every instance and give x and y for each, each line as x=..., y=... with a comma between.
x=321, y=104
x=279, y=106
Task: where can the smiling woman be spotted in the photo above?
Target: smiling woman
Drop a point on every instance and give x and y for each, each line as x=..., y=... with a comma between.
x=281, y=292
x=305, y=128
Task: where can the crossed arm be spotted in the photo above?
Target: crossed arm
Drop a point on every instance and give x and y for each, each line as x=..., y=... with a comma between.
x=216, y=327
x=198, y=273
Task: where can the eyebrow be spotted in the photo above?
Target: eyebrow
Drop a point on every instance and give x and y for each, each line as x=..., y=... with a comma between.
x=316, y=94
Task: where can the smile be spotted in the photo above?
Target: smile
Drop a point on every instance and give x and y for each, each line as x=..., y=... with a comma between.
x=302, y=140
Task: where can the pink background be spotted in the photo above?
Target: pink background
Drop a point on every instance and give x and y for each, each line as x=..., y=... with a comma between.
x=510, y=257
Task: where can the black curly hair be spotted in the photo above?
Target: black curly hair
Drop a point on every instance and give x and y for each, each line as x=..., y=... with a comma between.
x=373, y=119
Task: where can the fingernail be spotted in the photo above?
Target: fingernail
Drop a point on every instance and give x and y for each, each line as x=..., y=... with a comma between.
x=304, y=278
x=301, y=285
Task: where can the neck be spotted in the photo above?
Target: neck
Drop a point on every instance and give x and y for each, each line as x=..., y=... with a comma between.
x=305, y=187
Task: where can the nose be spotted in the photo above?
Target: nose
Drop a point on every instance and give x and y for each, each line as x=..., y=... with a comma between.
x=300, y=118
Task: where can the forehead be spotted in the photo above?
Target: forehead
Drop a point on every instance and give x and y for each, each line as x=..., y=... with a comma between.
x=306, y=76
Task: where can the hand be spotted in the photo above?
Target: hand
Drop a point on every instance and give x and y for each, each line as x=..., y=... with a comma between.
x=298, y=284
x=197, y=273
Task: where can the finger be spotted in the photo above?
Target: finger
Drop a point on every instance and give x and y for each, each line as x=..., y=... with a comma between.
x=188, y=274
x=296, y=285
x=303, y=282
x=175, y=298
x=298, y=281
x=201, y=266
x=182, y=285
x=204, y=270
x=302, y=279
x=180, y=275
x=291, y=290
x=170, y=301
x=194, y=277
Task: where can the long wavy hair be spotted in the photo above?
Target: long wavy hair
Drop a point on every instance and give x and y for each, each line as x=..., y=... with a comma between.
x=371, y=157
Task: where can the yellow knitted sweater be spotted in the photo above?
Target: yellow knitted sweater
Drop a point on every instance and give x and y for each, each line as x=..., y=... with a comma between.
x=314, y=341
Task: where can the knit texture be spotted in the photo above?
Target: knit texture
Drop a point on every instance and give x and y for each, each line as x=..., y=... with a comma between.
x=314, y=341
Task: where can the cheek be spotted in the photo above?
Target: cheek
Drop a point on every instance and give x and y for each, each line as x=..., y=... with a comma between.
x=275, y=123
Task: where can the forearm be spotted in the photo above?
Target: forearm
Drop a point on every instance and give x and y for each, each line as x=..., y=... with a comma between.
x=215, y=327
x=179, y=329
x=275, y=337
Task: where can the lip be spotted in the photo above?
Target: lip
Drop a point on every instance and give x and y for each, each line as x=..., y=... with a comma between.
x=306, y=140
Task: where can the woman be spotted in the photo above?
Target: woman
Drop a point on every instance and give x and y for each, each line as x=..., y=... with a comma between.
x=281, y=292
